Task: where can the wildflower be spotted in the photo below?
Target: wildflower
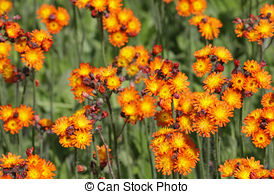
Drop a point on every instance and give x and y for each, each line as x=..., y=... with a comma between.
x=238, y=81
x=5, y=48
x=99, y=5
x=81, y=139
x=164, y=118
x=223, y=54
x=261, y=139
x=198, y=6
x=102, y=154
x=202, y=67
x=233, y=98
x=183, y=8
x=147, y=107
x=5, y=6
x=33, y=58
x=118, y=38
x=220, y=113
x=25, y=115
x=204, y=126
x=213, y=81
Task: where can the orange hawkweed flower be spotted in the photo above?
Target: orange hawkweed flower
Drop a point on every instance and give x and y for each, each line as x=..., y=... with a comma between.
x=45, y=11
x=179, y=83
x=267, y=100
x=33, y=58
x=10, y=160
x=128, y=95
x=62, y=16
x=133, y=26
x=204, y=126
x=238, y=80
x=81, y=122
x=223, y=54
x=60, y=126
x=242, y=172
x=210, y=29
x=204, y=52
x=251, y=127
x=13, y=29
x=185, y=123
x=82, y=3
x=164, y=118
x=127, y=52
x=251, y=85
x=263, y=79
x=113, y=82
x=118, y=38
x=102, y=154
x=198, y=6
x=233, y=98
x=25, y=115
x=214, y=81
x=99, y=5
x=147, y=107
x=184, y=164
x=183, y=7
x=153, y=85
x=270, y=129
x=38, y=36
x=260, y=139
x=81, y=139
x=239, y=30
x=111, y=23
x=5, y=6
x=53, y=27
x=228, y=168
x=252, y=66
x=202, y=67
x=5, y=48
x=13, y=126
x=114, y=6
x=125, y=15
x=46, y=123
x=6, y=112
x=268, y=10
x=265, y=28
x=220, y=113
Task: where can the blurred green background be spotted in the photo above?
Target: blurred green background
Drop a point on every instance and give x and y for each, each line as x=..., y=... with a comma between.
x=80, y=42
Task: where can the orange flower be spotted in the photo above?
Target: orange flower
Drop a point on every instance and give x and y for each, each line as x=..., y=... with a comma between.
x=214, y=81
x=114, y=6
x=251, y=85
x=61, y=125
x=233, y=98
x=204, y=52
x=62, y=16
x=220, y=113
x=265, y=28
x=267, y=100
x=238, y=80
x=13, y=126
x=133, y=26
x=198, y=6
x=252, y=66
x=179, y=83
x=5, y=48
x=6, y=112
x=99, y=5
x=268, y=10
x=164, y=118
x=210, y=29
x=5, y=6
x=53, y=27
x=111, y=23
x=13, y=29
x=228, y=168
x=118, y=38
x=82, y=3
x=242, y=172
x=102, y=154
x=263, y=79
x=183, y=7
x=260, y=139
x=147, y=107
x=185, y=123
x=113, y=82
x=270, y=129
x=125, y=15
x=223, y=54
x=202, y=67
x=25, y=115
x=204, y=126
x=81, y=139
x=33, y=58
x=39, y=36
x=128, y=95
x=81, y=122
x=45, y=11
x=252, y=126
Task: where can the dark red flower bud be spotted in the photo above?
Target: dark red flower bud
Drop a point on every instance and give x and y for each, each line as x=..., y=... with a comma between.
x=176, y=95
x=236, y=63
x=29, y=151
x=157, y=49
x=104, y=114
x=94, y=13
x=237, y=20
x=220, y=68
x=263, y=64
x=176, y=65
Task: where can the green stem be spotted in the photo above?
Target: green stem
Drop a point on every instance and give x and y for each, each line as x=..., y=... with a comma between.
x=207, y=157
x=115, y=136
x=108, y=157
x=34, y=108
x=240, y=128
x=217, y=157
x=201, y=163
x=75, y=163
x=101, y=30
x=97, y=158
x=147, y=129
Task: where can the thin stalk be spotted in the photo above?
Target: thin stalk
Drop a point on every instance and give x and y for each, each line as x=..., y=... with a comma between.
x=75, y=163
x=121, y=131
x=108, y=157
x=97, y=157
x=101, y=30
x=147, y=129
x=115, y=136
x=34, y=108
x=217, y=156
x=25, y=82
x=201, y=163
x=41, y=143
x=76, y=34
x=207, y=157
x=240, y=128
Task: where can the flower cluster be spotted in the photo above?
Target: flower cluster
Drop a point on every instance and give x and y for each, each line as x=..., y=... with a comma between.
x=259, y=124
x=16, y=118
x=74, y=131
x=33, y=167
x=174, y=151
x=5, y=6
x=187, y=7
x=88, y=81
x=209, y=27
x=242, y=168
x=120, y=22
x=54, y=18
x=250, y=78
x=210, y=59
x=30, y=45
x=102, y=154
x=256, y=29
